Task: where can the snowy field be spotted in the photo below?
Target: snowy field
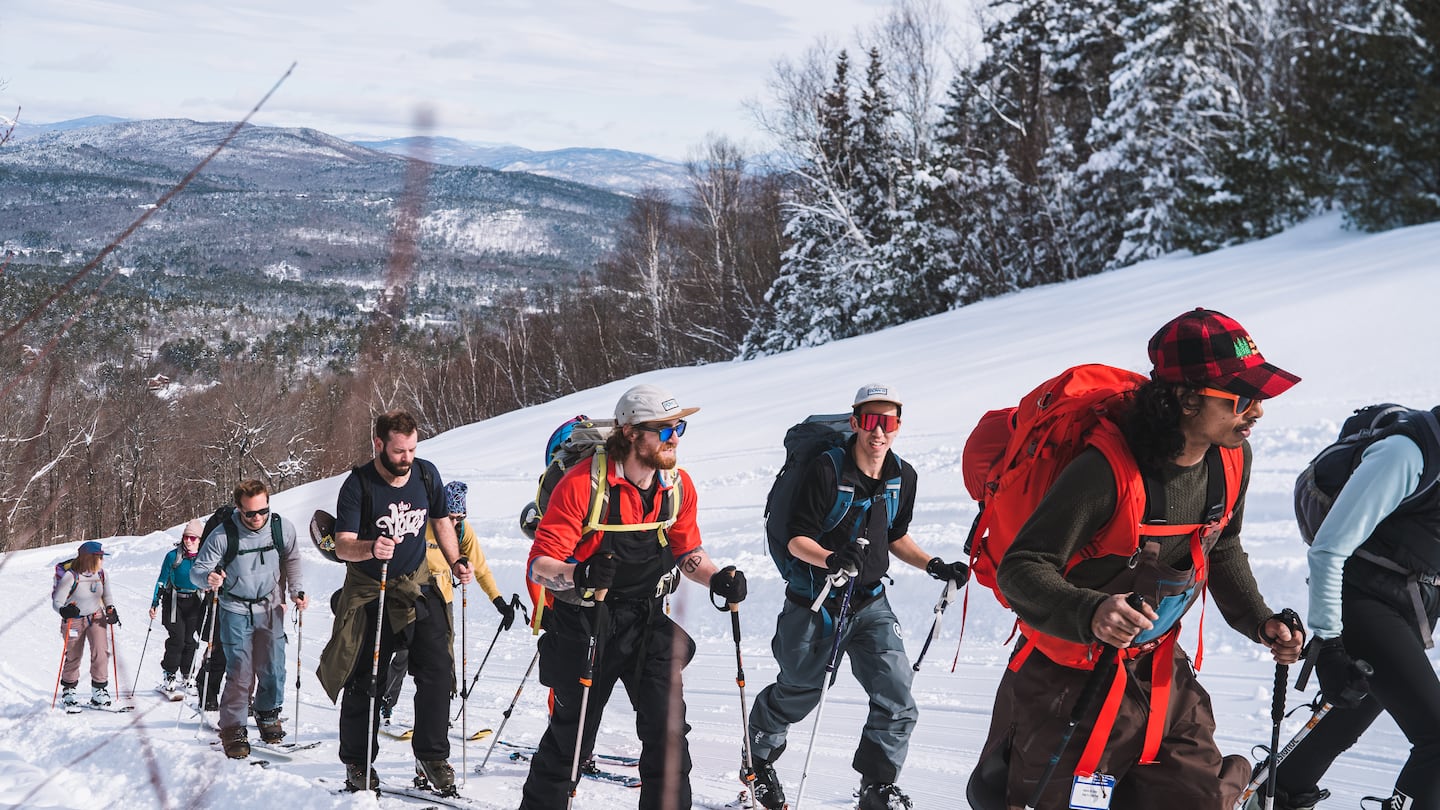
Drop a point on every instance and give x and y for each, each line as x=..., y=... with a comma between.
x=1352, y=314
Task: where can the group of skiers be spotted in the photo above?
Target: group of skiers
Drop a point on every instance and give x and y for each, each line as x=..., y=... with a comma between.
x=1099, y=706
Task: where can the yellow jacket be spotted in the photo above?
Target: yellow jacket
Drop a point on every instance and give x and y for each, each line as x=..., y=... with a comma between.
x=469, y=549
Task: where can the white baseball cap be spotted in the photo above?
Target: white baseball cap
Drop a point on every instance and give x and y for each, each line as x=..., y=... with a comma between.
x=876, y=392
x=649, y=403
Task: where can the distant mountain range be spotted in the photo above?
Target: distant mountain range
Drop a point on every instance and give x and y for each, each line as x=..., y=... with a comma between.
x=293, y=204
x=610, y=169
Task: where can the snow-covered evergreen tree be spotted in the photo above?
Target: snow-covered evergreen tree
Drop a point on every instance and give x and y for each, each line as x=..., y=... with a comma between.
x=1174, y=102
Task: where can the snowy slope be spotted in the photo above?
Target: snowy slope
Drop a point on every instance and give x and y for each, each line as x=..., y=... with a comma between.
x=1350, y=313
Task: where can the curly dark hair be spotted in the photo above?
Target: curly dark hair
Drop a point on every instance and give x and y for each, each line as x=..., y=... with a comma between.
x=1150, y=424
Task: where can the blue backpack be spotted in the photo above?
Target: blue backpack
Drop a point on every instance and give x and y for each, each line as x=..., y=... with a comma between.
x=827, y=435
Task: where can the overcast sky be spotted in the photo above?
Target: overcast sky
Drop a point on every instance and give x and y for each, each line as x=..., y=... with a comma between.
x=645, y=75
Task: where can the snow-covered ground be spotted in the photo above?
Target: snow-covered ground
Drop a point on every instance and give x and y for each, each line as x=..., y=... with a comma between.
x=1352, y=314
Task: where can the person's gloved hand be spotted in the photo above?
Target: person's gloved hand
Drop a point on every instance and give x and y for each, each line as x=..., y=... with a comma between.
x=847, y=559
x=112, y=616
x=596, y=573
x=507, y=613
x=729, y=584
x=70, y=612
x=956, y=572
x=1341, y=682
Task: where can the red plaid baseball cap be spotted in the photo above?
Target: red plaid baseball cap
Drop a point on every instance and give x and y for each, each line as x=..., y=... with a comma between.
x=1206, y=347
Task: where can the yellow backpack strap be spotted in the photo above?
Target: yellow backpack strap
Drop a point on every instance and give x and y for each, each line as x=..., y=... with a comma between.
x=600, y=501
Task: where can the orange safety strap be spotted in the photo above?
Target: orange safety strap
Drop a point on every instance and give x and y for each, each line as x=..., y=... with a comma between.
x=1104, y=722
x=1162, y=677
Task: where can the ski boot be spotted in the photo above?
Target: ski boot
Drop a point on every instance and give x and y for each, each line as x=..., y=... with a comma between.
x=435, y=775
x=355, y=779
x=270, y=729
x=882, y=796
x=768, y=792
x=235, y=742
x=100, y=695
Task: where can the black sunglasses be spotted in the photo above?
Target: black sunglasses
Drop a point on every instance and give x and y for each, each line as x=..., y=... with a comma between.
x=254, y=513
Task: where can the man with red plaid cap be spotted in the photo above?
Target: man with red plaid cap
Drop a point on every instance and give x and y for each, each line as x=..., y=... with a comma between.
x=1180, y=460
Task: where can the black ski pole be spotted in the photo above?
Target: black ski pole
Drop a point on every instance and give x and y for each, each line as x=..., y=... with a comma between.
x=1277, y=707
x=946, y=597
x=831, y=665
x=464, y=665
x=464, y=696
x=141, y=665
x=505, y=718
x=748, y=773
x=1262, y=771
x=592, y=661
x=299, y=642
x=1098, y=676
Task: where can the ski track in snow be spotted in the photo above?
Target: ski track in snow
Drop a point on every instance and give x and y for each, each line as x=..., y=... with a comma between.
x=950, y=369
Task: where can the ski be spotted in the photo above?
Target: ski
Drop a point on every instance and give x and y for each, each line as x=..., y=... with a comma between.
x=112, y=708
x=410, y=733
x=284, y=748
x=608, y=759
x=420, y=794
x=173, y=695
x=589, y=770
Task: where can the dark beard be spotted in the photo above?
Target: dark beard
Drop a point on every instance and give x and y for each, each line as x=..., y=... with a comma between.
x=394, y=469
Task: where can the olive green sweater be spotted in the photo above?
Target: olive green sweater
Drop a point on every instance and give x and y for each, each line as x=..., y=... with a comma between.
x=1077, y=506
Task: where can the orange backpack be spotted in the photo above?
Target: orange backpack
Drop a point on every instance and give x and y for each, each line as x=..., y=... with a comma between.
x=1014, y=454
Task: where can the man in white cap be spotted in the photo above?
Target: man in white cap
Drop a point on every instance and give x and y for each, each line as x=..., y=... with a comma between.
x=607, y=565
x=880, y=511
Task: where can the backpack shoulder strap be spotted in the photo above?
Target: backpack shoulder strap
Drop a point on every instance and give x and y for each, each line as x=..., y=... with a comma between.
x=892, y=491
x=277, y=534
x=1427, y=436
x=232, y=541
x=844, y=493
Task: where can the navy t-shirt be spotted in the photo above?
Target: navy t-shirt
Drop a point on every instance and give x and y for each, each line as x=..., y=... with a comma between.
x=400, y=512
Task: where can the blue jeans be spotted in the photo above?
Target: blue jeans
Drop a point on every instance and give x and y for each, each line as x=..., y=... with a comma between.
x=254, y=644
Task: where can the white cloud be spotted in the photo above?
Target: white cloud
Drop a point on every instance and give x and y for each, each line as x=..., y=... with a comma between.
x=645, y=75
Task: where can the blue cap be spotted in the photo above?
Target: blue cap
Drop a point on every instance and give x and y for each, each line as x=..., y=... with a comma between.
x=92, y=547
x=455, y=497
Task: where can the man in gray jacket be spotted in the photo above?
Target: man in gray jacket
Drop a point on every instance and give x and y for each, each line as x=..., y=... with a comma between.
x=251, y=558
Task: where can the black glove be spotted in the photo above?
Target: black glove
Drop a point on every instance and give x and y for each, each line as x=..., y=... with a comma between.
x=846, y=559
x=507, y=613
x=1341, y=683
x=70, y=612
x=111, y=616
x=956, y=572
x=596, y=573
x=729, y=584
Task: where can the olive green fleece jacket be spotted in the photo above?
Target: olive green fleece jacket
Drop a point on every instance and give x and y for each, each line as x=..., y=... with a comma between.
x=1081, y=501
x=347, y=633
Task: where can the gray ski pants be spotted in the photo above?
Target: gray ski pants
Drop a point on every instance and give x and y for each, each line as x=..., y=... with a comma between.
x=871, y=640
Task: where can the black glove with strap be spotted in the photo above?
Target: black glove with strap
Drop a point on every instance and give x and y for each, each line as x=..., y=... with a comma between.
x=729, y=584
x=847, y=559
x=1342, y=681
x=596, y=573
x=111, y=615
x=507, y=613
x=956, y=572
x=70, y=612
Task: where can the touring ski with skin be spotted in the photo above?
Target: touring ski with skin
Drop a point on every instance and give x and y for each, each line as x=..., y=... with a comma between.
x=174, y=695
x=410, y=732
x=588, y=769
x=414, y=793
x=608, y=759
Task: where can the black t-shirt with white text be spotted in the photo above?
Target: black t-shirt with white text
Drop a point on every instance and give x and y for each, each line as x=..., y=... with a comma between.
x=400, y=512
